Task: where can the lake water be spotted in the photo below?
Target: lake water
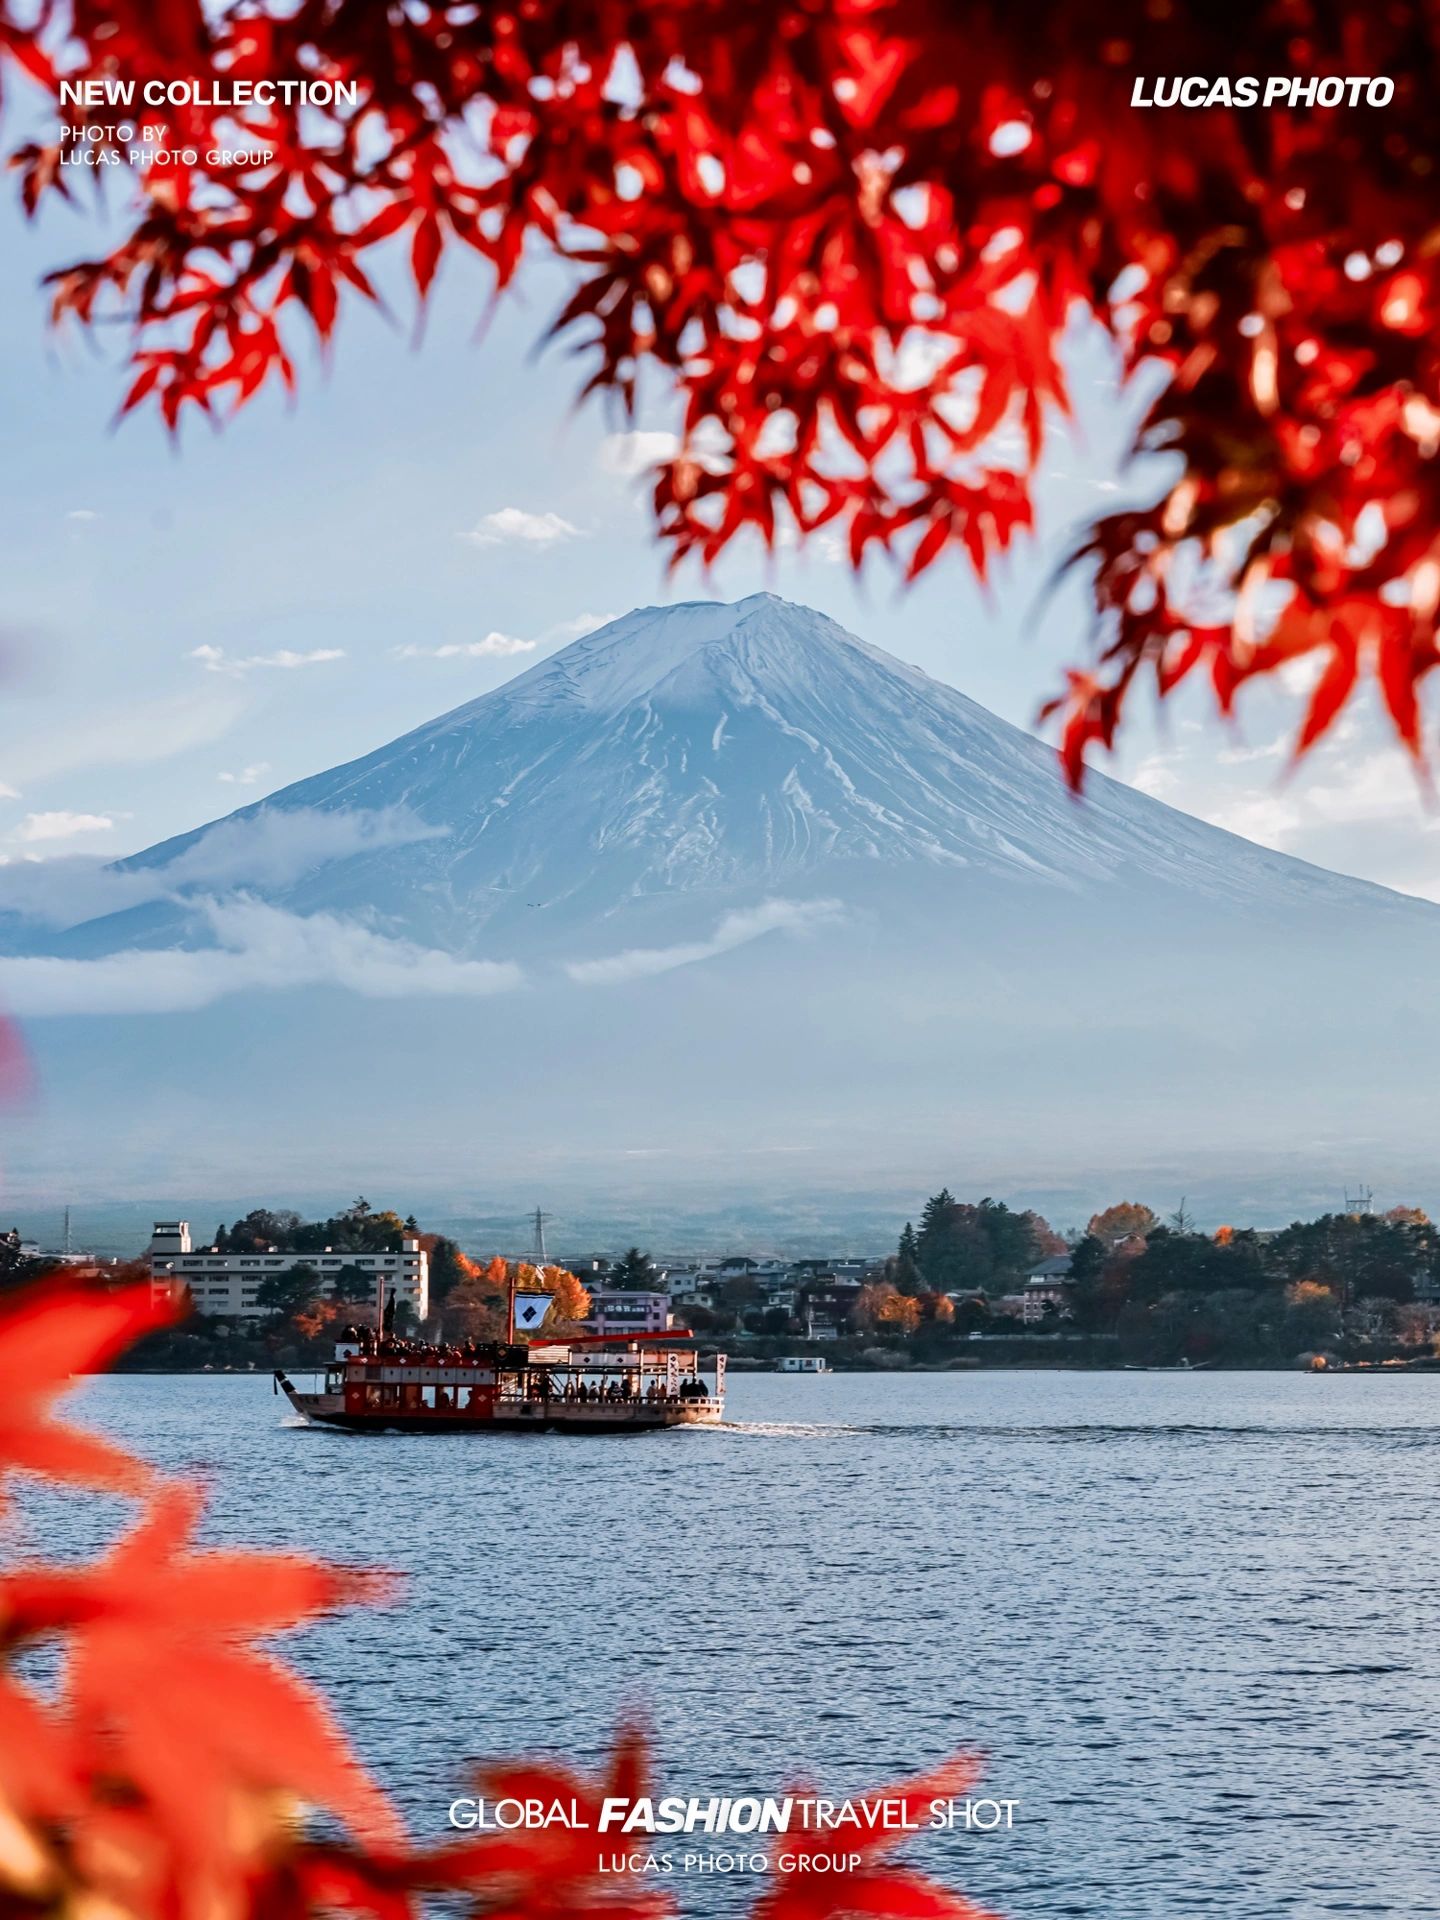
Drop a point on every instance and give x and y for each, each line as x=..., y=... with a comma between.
x=1193, y=1622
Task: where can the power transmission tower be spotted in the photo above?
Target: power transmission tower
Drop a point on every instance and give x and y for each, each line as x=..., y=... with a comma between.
x=540, y=1219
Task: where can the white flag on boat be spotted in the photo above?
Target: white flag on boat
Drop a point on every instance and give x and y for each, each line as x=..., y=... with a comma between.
x=530, y=1311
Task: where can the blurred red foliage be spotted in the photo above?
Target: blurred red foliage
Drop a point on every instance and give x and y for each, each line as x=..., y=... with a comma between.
x=851, y=234
x=49, y=1335
x=812, y=1888
x=170, y=1771
x=16, y=1074
x=556, y=1872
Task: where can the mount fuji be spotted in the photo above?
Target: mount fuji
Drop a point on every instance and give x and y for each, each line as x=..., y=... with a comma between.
x=717, y=892
x=708, y=755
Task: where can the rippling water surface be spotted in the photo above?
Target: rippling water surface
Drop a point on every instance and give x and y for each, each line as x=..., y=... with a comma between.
x=1192, y=1621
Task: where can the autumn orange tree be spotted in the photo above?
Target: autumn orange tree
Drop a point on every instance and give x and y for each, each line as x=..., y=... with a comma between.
x=569, y=1297
x=174, y=1770
x=474, y=1309
x=883, y=1307
x=1128, y=1221
x=471, y=1309
x=848, y=237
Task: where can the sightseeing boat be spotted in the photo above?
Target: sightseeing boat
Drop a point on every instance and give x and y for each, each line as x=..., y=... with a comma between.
x=596, y=1383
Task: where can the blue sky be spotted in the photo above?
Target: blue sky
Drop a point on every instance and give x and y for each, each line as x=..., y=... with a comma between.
x=188, y=629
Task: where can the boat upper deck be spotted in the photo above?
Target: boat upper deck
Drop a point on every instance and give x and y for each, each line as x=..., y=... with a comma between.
x=601, y=1362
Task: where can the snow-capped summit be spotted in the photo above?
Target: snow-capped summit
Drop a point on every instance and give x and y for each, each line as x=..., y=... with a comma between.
x=727, y=751
x=673, y=654
x=648, y=648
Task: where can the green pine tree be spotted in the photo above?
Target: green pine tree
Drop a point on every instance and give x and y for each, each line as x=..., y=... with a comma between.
x=908, y=1278
x=634, y=1272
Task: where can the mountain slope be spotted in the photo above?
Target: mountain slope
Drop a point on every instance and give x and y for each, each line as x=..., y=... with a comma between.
x=725, y=752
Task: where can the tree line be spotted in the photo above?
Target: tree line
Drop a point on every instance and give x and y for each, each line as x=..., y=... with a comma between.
x=1164, y=1290
x=1345, y=1280
x=361, y=1228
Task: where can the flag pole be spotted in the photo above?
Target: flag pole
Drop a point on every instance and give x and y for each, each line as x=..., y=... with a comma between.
x=510, y=1307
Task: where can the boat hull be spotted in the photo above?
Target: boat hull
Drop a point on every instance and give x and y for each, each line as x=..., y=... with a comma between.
x=328, y=1410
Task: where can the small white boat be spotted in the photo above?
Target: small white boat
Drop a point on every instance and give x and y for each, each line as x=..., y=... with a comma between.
x=1180, y=1366
x=803, y=1363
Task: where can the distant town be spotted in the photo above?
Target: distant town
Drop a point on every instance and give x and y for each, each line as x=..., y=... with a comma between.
x=968, y=1283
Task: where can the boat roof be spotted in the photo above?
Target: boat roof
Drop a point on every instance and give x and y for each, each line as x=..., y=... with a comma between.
x=619, y=1339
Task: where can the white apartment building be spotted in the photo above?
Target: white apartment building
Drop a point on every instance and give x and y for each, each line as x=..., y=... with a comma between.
x=615, y=1311
x=227, y=1283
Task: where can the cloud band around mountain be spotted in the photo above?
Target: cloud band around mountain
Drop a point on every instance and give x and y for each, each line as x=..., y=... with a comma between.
x=268, y=847
x=263, y=948
x=259, y=948
x=733, y=930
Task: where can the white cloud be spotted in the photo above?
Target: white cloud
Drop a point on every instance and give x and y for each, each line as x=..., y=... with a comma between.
x=216, y=660
x=629, y=454
x=513, y=526
x=1152, y=776
x=1245, y=756
x=734, y=930
x=577, y=628
x=247, y=776
x=1361, y=790
x=259, y=948
x=1301, y=675
x=8, y=793
x=267, y=847
x=62, y=825
x=81, y=513
x=500, y=646
x=273, y=846
x=125, y=733
x=1356, y=805
x=495, y=646
x=1271, y=819
x=1377, y=786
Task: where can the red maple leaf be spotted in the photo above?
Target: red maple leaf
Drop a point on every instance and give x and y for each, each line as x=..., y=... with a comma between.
x=48, y=1334
x=177, y=1747
x=556, y=1870
x=846, y=1871
x=850, y=238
